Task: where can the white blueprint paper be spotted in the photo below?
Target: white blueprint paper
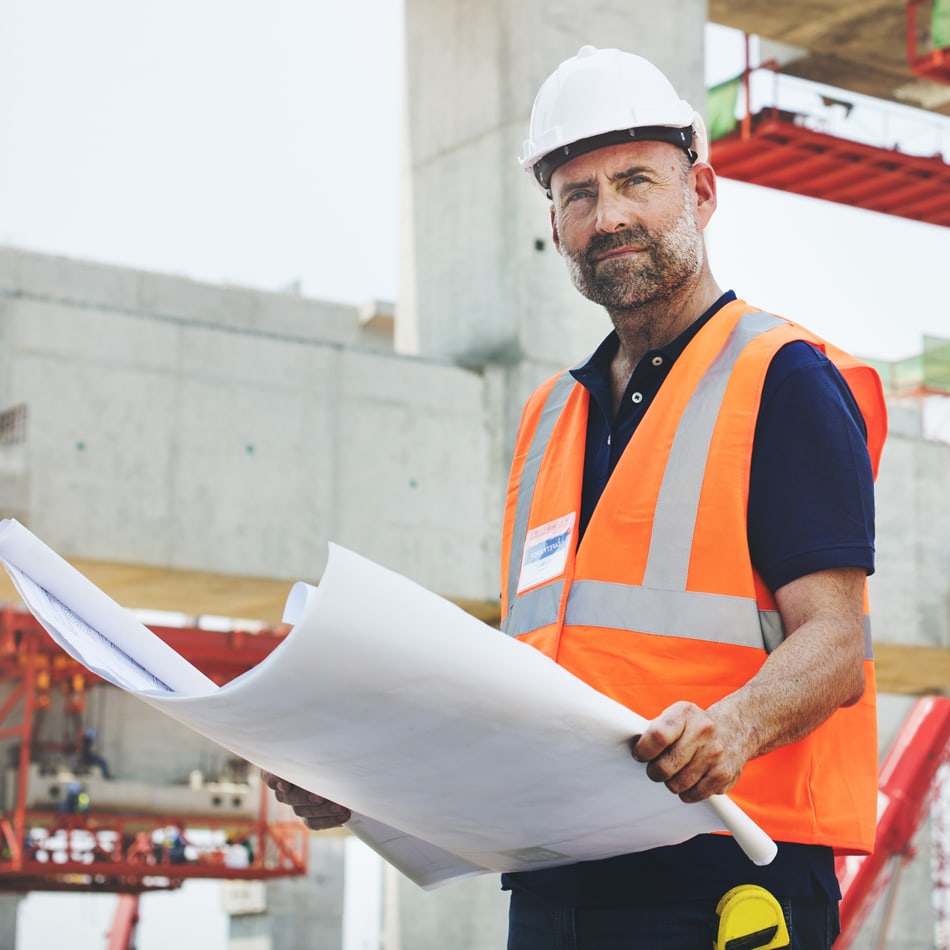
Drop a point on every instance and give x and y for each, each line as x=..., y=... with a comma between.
x=459, y=749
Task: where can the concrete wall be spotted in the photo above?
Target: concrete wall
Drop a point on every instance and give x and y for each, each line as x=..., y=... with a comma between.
x=910, y=594
x=180, y=424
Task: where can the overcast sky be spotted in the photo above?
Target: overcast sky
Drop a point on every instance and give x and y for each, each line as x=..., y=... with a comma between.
x=234, y=141
x=230, y=140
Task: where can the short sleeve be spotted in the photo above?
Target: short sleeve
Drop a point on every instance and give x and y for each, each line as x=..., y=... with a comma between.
x=811, y=491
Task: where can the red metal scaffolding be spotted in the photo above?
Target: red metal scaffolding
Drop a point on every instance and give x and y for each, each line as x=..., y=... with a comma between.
x=775, y=148
x=125, y=852
x=908, y=782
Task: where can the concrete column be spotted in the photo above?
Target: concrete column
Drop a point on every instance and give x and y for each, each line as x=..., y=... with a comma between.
x=299, y=913
x=8, y=911
x=467, y=915
x=480, y=279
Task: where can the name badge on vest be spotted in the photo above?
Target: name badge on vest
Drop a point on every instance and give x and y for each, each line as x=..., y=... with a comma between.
x=545, y=551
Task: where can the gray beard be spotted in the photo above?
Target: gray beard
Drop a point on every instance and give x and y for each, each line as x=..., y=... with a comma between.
x=668, y=262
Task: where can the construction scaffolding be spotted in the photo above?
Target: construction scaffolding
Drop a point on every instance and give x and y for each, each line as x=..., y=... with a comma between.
x=139, y=837
x=790, y=148
x=912, y=784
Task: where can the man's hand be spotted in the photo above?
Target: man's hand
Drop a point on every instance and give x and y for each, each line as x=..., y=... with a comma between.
x=318, y=813
x=816, y=669
x=688, y=750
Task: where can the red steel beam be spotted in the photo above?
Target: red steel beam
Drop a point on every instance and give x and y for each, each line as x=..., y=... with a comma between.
x=905, y=782
x=782, y=155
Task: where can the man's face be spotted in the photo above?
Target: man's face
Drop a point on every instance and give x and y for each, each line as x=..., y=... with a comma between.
x=625, y=220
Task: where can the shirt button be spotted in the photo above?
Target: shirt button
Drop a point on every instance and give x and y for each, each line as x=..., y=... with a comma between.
x=657, y=361
x=637, y=397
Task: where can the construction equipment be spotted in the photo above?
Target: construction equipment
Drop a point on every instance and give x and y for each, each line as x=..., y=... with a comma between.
x=786, y=150
x=123, y=846
x=906, y=787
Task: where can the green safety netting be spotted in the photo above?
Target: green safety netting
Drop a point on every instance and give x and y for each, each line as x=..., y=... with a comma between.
x=721, y=108
x=940, y=24
x=929, y=370
x=936, y=357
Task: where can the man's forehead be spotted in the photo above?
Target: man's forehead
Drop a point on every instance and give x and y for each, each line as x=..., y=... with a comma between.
x=612, y=159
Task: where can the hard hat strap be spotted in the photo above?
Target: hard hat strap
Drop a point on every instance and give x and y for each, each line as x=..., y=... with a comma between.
x=681, y=138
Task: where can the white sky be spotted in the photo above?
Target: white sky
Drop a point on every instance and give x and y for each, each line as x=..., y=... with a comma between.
x=189, y=918
x=258, y=144
x=229, y=140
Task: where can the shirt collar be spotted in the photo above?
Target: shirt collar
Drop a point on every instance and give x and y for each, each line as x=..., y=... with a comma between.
x=599, y=361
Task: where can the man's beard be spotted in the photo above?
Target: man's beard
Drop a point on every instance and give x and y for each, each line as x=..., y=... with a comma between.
x=668, y=259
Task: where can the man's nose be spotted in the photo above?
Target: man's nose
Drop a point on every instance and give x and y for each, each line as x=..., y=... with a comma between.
x=613, y=213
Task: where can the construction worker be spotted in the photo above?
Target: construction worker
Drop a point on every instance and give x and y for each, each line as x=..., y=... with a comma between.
x=89, y=755
x=695, y=504
x=75, y=801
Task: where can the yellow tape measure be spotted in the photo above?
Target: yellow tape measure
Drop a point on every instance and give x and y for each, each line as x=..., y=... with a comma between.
x=750, y=918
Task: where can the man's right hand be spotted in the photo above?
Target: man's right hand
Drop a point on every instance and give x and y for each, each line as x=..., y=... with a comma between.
x=316, y=812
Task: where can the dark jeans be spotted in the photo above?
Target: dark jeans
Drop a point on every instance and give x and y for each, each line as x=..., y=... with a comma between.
x=538, y=924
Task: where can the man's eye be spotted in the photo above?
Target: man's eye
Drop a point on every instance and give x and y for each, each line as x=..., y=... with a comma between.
x=578, y=196
x=636, y=180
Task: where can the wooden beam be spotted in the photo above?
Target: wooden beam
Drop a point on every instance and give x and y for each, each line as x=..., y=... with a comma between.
x=911, y=669
x=192, y=593
x=202, y=593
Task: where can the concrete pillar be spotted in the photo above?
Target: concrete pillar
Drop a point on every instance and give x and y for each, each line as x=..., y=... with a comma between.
x=299, y=913
x=8, y=911
x=480, y=279
x=468, y=915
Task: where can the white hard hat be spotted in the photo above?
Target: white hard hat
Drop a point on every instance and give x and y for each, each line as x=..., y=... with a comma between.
x=602, y=97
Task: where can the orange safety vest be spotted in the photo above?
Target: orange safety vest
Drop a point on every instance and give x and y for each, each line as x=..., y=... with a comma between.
x=660, y=602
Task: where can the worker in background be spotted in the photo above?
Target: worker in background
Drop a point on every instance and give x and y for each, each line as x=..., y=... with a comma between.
x=75, y=801
x=700, y=490
x=141, y=850
x=89, y=756
x=170, y=845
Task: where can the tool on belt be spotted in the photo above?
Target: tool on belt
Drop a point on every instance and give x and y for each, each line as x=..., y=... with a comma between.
x=750, y=918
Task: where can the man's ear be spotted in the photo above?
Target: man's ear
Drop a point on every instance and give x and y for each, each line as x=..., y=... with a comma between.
x=704, y=188
x=555, y=237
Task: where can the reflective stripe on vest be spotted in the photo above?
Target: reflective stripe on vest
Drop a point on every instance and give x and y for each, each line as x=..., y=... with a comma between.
x=662, y=605
x=714, y=617
x=551, y=412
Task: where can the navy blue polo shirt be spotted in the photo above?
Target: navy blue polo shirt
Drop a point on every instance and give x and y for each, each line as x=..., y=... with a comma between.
x=811, y=508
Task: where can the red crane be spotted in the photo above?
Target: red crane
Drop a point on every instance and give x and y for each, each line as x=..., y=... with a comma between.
x=907, y=783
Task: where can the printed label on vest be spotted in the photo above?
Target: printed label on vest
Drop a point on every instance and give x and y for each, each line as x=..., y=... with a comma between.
x=545, y=551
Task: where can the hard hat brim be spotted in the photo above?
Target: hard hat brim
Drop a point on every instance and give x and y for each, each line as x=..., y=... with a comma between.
x=682, y=138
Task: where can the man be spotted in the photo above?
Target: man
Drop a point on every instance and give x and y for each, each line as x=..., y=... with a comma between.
x=701, y=490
